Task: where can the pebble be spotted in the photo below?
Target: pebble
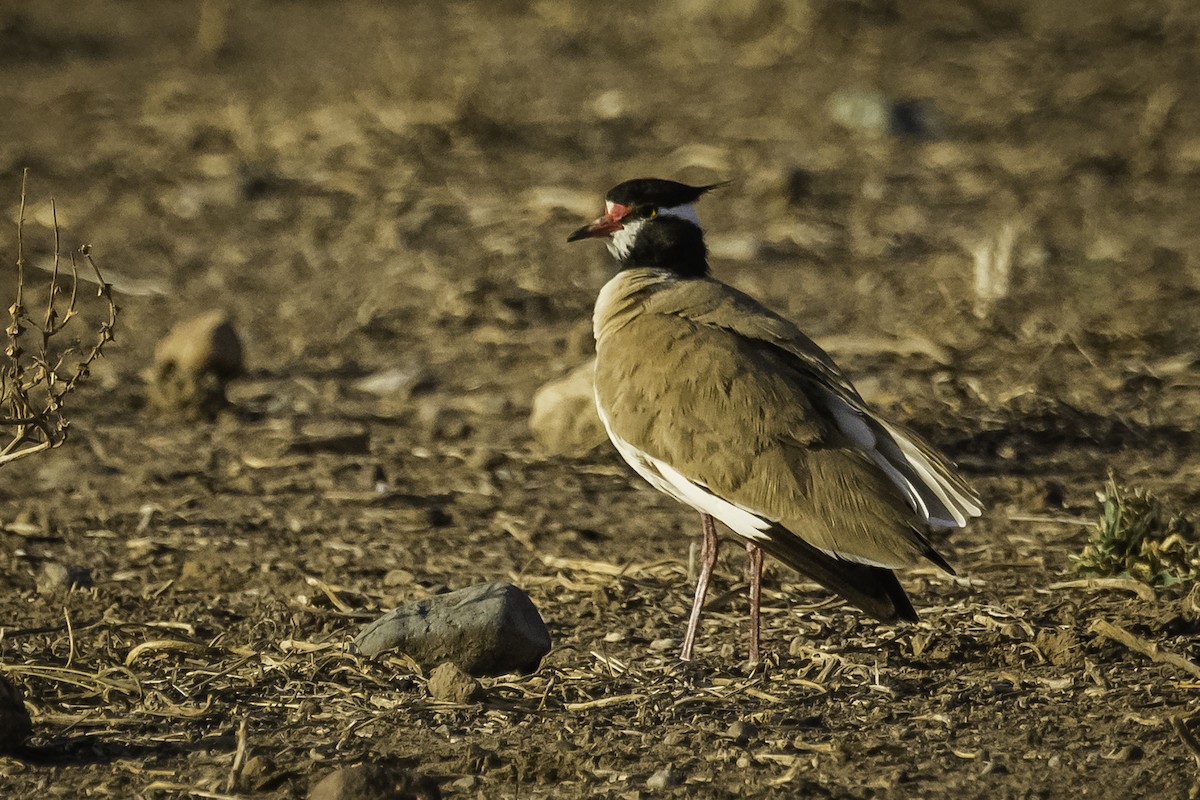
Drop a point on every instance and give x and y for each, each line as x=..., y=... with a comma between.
x=741, y=732
x=374, y=782
x=448, y=682
x=663, y=779
x=394, y=381
x=486, y=629
x=398, y=577
x=15, y=725
x=564, y=419
x=873, y=113
x=56, y=577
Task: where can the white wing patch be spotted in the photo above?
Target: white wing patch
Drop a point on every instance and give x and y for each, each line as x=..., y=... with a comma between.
x=747, y=524
x=960, y=505
x=855, y=428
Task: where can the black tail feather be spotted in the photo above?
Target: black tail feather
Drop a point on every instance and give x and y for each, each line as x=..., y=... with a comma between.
x=874, y=590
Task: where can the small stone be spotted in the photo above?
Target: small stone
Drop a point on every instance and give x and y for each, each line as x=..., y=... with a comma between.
x=258, y=772
x=659, y=645
x=396, y=381
x=374, y=782
x=15, y=725
x=735, y=247
x=55, y=577
x=398, y=577
x=610, y=105
x=663, y=779
x=873, y=113
x=564, y=419
x=1130, y=752
x=448, y=682
x=486, y=629
x=864, y=110
x=741, y=732
x=674, y=739
x=192, y=366
x=332, y=436
x=442, y=422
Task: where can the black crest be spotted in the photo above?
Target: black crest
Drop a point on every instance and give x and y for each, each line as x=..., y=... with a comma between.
x=656, y=192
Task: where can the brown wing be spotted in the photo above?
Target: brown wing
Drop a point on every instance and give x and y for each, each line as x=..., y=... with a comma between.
x=739, y=416
x=931, y=483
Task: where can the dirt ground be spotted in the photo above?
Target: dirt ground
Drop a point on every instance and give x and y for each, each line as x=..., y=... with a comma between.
x=371, y=186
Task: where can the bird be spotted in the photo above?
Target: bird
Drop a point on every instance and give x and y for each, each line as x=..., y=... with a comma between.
x=726, y=406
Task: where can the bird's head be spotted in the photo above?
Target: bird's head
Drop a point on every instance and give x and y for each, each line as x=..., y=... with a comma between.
x=650, y=222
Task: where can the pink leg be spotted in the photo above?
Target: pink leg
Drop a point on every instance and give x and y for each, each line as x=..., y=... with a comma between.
x=708, y=560
x=755, y=573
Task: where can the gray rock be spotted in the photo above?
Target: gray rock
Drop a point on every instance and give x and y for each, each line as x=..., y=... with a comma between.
x=564, y=419
x=374, y=782
x=741, y=732
x=486, y=629
x=15, y=725
x=448, y=682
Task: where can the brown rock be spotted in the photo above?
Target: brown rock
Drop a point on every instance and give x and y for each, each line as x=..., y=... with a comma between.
x=374, y=782
x=448, y=682
x=15, y=725
x=564, y=419
x=193, y=364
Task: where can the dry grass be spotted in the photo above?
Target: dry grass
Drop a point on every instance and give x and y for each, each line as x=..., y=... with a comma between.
x=1139, y=536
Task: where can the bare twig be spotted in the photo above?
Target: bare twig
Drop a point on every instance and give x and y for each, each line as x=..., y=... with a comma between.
x=33, y=387
x=1142, y=590
x=239, y=759
x=1181, y=725
x=1139, y=645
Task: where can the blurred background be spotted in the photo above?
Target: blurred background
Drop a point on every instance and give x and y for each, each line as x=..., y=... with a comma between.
x=985, y=209
x=353, y=180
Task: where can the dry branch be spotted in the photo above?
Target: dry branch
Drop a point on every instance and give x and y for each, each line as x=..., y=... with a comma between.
x=1149, y=649
x=35, y=375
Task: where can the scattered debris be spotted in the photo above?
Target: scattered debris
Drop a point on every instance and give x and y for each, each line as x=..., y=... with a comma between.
x=564, y=419
x=448, y=682
x=375, y=782
x=486, y=629
x=193, y=364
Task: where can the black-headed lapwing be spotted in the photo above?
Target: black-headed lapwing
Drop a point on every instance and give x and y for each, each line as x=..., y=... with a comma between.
x=730, y=409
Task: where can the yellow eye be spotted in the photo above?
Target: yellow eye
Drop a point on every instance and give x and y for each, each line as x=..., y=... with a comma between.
x=650, y=212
